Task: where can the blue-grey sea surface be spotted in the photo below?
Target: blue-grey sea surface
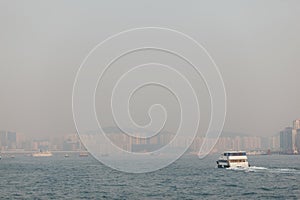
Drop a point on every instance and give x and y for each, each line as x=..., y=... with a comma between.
x=57, y=177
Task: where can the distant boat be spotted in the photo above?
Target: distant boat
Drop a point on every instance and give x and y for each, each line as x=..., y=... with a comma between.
x=233, y=159
x=0, y=157
x=83, y=154
x=42, y=154
x=67, y=156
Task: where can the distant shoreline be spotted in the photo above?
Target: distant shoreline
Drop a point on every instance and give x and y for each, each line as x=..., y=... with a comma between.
x=28, y=152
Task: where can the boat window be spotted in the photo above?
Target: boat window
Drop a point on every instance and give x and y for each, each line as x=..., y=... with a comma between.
x=237, y=161
x=235, y=154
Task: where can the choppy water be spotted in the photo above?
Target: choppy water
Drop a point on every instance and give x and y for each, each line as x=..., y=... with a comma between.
x=271, y=177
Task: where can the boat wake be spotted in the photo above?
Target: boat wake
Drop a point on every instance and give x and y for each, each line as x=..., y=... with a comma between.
x=265, y=169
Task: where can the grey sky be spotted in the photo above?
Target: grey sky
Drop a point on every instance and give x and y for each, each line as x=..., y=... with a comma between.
x=255, y=44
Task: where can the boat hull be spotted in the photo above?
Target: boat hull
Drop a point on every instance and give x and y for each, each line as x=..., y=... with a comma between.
x=48, y=154
x=233, y=165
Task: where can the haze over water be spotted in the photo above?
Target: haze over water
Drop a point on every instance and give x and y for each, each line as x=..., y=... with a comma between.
x=255, y=44
x=245, y=85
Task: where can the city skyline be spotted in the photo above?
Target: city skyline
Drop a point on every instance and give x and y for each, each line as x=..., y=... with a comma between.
x=71, y=142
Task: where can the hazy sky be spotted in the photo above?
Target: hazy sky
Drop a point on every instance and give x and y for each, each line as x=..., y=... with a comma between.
x=254, y=43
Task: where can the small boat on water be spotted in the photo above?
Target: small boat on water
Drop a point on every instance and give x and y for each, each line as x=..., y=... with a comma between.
x=83, y=154
x=233, y=159
x=42, y=154
x=67, y=156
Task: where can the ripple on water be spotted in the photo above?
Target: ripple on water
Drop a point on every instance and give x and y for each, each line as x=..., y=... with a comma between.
x=188, y=178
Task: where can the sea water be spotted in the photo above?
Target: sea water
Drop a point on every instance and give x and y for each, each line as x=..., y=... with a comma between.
x=57, y=177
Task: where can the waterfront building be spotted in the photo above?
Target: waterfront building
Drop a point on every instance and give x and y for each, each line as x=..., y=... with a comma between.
x=8, y=140
x=296, y=124
x=287, y=140
x=297, y=142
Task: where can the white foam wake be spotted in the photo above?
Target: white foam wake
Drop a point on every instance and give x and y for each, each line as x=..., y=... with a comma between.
x=265, y=169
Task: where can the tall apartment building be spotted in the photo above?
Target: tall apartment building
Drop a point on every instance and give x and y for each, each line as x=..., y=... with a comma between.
x=288, y=140
x=8, y=140
x=296, y=124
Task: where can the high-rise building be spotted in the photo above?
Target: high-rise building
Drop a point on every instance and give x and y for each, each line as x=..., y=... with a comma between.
x=11, y=139
x=298, y=140
x=296, y=124
x=296, y=136
x=8, y=140
x=287, y=140
x=3, y=141
x=275, y=142
x=290, y=138
x=71, y=143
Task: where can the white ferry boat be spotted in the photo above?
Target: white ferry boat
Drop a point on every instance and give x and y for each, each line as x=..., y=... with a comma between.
x=233, y=159
x=42, y=154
